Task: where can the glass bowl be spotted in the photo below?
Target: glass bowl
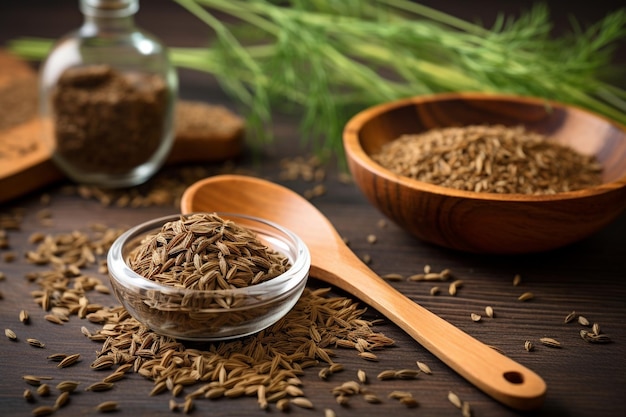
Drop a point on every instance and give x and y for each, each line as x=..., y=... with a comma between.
x=210, y=315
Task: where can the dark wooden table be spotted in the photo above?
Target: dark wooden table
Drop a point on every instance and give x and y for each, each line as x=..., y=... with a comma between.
x=583, y=379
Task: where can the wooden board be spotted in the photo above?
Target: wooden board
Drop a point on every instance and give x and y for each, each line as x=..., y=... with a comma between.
x=212, y=134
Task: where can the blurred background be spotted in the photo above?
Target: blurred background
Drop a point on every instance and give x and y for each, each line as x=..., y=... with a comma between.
x=175, y=26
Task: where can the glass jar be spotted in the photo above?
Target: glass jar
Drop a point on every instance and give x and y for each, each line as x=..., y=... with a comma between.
x=107, y=96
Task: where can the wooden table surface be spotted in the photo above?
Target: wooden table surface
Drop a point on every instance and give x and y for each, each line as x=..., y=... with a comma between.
x=583, y=379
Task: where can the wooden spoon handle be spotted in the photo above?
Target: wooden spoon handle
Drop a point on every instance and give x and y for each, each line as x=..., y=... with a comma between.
x=497, y=375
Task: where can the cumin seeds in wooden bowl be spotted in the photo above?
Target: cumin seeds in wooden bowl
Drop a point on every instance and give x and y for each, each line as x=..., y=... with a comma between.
x=442, y=199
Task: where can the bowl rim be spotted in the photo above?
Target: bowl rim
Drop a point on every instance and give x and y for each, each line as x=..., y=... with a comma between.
x=355, y=151
x=132, y=281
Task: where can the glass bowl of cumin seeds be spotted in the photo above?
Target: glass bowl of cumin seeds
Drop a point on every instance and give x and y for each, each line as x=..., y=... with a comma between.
x=208, y=276
x=489, y=173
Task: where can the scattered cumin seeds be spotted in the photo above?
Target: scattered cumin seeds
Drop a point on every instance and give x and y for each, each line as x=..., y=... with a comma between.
x=107, y=406
x=466, y=411
x=475, y=317
x=595, y=329
x=528, y=345
x=100, y=386
x=283, y=404
x=550, y=342
x=114, y=377
x=69, y=360
x=594, y=338
x=35, y=343
x=407, y=374
x=362, y=376
x=392, y=277
x=582, y=320
x=24, y=317
x=368, y=356
x=28, y=395
x=188, y=406
x=454, y=399
x=517, y=280
x=372, y=398
x=489, y=311
x=32, y=380
x=43, y=390
x=324, y=373
x=526, y=296
x=62, y=399
x=409, y=402
x=103, y=289
x=57, y=357
x=67, y=386
x=173, y=405
x=570, y=317
x=454, y=286
x=371, y=239
x=399, y=394
x=434, y=290
x=10, y=334
x=261, y=398
x=43, y=410
x=329, y=412
x=416, y=277
x=302, y=402
x=335, y=367
x=386, y=375
x=424, y=368
x=404, y=397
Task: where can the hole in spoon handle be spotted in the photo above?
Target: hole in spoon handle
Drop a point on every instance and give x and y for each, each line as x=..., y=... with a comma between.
x=514, y=377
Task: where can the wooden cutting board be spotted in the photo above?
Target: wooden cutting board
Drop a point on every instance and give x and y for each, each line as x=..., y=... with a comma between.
x=204, y=133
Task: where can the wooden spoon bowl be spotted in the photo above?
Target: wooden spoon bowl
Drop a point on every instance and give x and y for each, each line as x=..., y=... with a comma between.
x=488, y=222
x=332, y=261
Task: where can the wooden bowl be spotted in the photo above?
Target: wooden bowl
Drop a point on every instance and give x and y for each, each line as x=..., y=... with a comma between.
x=483, y=222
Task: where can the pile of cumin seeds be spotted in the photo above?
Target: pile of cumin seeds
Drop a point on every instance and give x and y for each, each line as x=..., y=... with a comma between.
x=266, y=365
x=64, y=285
x=274, y=359
x=206, y=252
x=492, y=159
x=210, y=255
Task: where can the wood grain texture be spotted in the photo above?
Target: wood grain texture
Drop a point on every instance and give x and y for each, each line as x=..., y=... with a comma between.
x=488, y=222
x=584, y=380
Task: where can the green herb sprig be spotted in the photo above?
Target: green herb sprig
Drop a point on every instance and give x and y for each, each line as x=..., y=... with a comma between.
x=329, y=59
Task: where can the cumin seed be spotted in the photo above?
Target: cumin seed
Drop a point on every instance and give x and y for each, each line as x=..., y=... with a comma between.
x=550, y=342
x=69, y=360
x=10, y=334
x=35, y=343
x=107, y=407
x=302, y=402
x=43, y=410
x=526, y=296
x=454, y=399
x=424, y=368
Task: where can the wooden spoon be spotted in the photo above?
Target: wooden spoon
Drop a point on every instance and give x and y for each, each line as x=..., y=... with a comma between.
x=332, y=261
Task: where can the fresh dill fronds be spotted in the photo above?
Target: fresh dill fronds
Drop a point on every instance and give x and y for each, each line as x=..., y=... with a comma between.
x=325, y=60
